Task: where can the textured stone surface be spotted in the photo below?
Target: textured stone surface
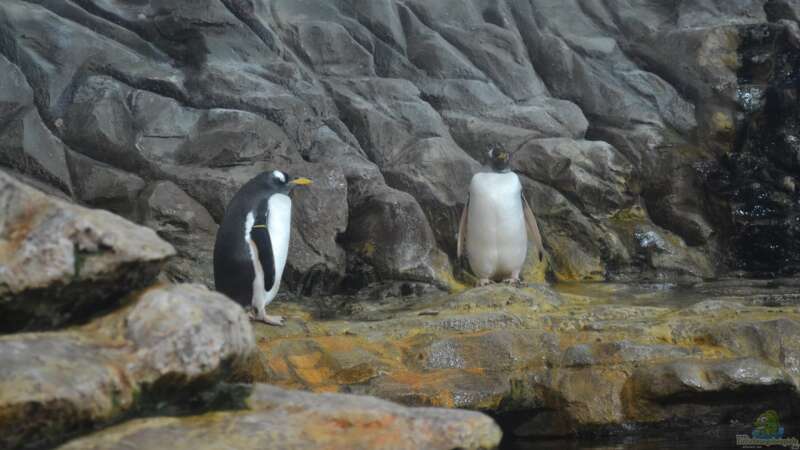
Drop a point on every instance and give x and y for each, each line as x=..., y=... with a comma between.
x=297, y=420
x=181, y=220
x=613, y=107
x=165, y=342
x=583, y=358
x=61, y=261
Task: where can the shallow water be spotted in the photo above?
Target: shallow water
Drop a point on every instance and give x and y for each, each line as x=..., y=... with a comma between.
x=723, y=437
x=772, y=292
x=628, y=443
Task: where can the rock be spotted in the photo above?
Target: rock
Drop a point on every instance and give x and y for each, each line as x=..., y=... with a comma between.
x=26, y=144
x=390, y=234
x=782, y=9
x=591, y=174
x=579, y=359
x=641, y=98
x=102, y=186
x=163, y=345
x=182, y=221
x=298, y=420
x=137, y=129
x=62, y=262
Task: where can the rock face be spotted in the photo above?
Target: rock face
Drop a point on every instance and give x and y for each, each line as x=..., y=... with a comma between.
x=168, y=340
x=585, y=359
x=759, y=176
x=61, y=261
x=298, y=420
x=617, y=113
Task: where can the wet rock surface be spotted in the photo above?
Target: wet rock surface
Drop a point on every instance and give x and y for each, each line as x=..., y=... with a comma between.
x=62, y=262
x=291, y=419
x=758, y=177
x=579, y=359
x=617, y=112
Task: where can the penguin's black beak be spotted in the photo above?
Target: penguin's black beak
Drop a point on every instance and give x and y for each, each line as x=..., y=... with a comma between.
x=301, y=181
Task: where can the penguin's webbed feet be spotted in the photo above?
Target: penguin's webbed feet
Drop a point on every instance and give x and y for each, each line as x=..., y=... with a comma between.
x=484, y=282
x=266, y=318
x=513, y=282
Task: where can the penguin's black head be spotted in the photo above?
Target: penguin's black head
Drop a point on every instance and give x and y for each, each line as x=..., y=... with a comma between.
x=499, y=159
x=278, y=181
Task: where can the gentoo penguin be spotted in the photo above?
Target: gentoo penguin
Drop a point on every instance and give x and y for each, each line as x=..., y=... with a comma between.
x=253, y=242
x=497, y=222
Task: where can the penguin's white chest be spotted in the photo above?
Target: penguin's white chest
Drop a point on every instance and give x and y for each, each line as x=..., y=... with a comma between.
x=279, y=225
x=497, y=240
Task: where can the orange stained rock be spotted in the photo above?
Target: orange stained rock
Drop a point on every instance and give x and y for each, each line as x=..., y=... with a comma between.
x=305, y=361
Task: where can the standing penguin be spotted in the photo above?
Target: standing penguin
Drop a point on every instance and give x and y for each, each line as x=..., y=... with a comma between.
x=253, y=242
x=497, y=222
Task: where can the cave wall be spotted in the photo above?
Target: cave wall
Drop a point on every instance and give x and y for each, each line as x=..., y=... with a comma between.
x=619, y=113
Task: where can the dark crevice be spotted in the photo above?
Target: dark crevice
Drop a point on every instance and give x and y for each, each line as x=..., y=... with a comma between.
x=244, y=11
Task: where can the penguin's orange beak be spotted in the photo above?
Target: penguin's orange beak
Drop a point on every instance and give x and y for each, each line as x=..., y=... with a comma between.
x=302, y=181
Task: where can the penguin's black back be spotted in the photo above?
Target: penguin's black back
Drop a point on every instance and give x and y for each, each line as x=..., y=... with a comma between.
x=233, y=266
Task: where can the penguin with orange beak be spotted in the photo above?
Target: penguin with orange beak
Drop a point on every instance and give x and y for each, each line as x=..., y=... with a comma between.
x=253, y=242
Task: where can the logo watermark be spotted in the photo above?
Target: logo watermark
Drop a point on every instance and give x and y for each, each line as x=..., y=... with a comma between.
x=767, y=432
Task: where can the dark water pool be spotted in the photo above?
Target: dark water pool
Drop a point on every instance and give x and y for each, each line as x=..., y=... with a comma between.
x=718, y=438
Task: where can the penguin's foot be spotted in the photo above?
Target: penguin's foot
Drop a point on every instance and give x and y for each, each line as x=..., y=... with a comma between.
x=513, y=282
x=484, y=282
x=266, y=318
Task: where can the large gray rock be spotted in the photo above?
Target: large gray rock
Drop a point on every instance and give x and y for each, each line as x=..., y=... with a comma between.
x=26, y=144
x=185, y=223
x=103, y=186
x=300, y=420
x=61, y=261
x=170, y=339
x=389, y=233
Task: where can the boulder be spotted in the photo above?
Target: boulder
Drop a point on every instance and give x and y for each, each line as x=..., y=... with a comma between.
x=388, y=232
x=62, y=262
x=299, y=420
x=163, y=345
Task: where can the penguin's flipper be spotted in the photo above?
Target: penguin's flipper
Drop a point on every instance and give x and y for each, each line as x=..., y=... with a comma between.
x=533, y=228
x=462, y=231
x=259, y=234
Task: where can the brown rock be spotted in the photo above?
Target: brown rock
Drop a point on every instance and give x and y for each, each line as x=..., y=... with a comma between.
x=283, y=419
x=61, y=261
x=55, y=384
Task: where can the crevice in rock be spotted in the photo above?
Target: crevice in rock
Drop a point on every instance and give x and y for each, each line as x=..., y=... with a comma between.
x=237, y=9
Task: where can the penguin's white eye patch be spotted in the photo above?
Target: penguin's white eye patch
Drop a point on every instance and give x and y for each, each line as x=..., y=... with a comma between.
x=279, y=175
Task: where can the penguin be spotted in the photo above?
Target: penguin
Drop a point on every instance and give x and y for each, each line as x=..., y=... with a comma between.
x=497, y=223
x=252, y=242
